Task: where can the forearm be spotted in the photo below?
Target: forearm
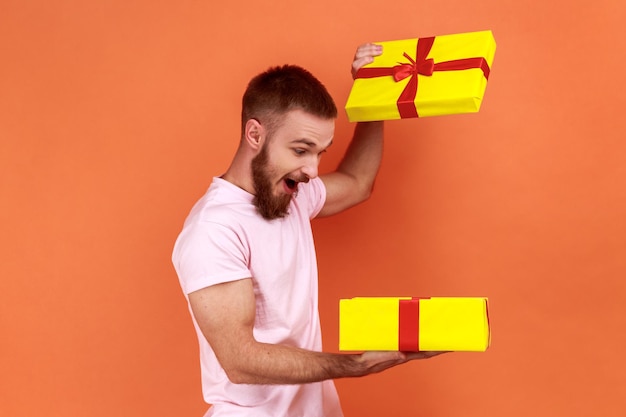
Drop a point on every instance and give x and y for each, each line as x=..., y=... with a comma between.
x=279, y=364
x=364, y=154
x=261, y=363
x=352, y=182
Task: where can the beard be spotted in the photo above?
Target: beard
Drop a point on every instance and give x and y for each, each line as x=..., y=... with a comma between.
x=267, y=204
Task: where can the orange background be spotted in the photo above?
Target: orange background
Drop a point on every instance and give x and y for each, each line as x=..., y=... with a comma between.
x=115, y=115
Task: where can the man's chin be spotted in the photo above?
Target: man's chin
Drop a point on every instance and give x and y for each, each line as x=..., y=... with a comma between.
x=274, y=207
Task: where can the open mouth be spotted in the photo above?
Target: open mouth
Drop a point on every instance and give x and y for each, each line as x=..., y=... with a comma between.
x=292, y=185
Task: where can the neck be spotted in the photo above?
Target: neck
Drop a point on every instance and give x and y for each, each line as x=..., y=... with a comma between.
x=239, y=172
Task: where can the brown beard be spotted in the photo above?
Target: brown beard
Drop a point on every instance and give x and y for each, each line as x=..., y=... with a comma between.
x=268, y=205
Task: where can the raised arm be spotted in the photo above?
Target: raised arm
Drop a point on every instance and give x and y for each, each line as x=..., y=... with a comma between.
x=225, y=314
x=353, y=180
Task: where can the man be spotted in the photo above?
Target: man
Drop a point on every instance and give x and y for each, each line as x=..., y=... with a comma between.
x=246, y=260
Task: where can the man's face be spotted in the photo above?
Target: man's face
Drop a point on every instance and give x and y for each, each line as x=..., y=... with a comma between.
x=290, y=155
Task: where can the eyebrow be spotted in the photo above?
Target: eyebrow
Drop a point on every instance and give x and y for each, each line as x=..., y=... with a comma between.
x=309, y=143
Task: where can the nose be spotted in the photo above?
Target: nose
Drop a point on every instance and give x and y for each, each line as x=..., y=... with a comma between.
x=310, y=168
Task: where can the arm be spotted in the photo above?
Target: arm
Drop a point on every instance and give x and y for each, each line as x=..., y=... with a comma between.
x=225, y=314
x=353, y=180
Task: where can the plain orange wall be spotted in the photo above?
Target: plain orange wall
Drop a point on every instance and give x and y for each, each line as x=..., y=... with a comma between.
x=115, y=115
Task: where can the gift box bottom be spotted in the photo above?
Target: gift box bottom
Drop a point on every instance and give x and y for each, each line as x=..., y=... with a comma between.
x=414, y=324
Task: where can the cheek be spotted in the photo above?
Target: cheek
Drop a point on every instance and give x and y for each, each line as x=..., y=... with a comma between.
x=275, y=170
x=283, y=163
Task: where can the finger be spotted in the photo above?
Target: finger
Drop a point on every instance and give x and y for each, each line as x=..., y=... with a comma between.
x=383, y=355
x=365, y=55
x=358, y=63
x=368, y=49
x=424, y=355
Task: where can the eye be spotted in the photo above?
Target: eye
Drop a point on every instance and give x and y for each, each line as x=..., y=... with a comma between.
x=299, y=151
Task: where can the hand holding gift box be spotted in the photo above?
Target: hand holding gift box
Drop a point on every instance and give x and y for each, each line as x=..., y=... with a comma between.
x=414, y=324
x=423, y=77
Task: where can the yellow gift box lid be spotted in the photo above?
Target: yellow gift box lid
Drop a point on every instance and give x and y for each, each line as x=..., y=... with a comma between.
x=423, y=77
x=414, y=324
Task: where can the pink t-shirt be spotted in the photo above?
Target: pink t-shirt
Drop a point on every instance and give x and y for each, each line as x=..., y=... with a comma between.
x=225, y=239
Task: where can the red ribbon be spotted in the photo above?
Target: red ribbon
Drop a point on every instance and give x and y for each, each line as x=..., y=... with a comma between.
x=420, y=66
x=408, y=325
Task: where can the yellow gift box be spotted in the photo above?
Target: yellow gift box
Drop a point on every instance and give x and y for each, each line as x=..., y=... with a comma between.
x=414, y=324
x=423, y=77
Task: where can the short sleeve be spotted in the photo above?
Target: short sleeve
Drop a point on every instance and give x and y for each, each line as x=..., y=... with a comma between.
x=208, y=253
x=315, y=193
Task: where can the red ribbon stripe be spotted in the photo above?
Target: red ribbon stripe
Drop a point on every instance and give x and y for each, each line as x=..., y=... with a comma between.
x=408, y=324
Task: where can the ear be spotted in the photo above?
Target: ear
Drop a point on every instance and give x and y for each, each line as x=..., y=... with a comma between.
x=254, y=134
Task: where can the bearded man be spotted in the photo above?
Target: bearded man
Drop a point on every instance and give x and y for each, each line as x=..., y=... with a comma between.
x=246, y=259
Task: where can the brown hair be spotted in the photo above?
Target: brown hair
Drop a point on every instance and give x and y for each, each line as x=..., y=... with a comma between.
x=280, y=89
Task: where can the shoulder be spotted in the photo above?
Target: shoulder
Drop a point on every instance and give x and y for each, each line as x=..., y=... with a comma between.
x=217, y=219
x=223, y=203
